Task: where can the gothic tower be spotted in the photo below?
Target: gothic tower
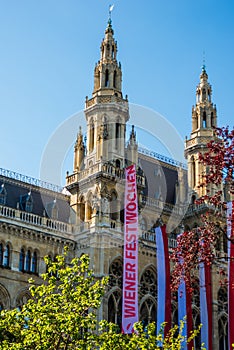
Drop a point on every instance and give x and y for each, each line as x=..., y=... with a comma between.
x=107, y=111
x=97, y=164
x=204, y=119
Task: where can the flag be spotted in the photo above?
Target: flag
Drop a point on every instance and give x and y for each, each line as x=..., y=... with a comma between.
x=163, y=278
x=230, y=234
x=111, y=8
x=185, y=311
x=206, y=305
x=130, y=261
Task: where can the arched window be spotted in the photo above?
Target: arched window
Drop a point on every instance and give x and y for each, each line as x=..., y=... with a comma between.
x=116, y=274
x=117, y=133
x=1, y=254
x=198, y=96
x=34, y=262
x=114, y=79
x=6, y=256
x=3, y=195
x=91, y=136
x=82, y=213
x=89, y=207
x=223, y=332
x=193, y=170
x=204, y=94
x=209, y=95
x=107, y=78
x=222, y=300
x=26, y=202
x=212, y=119
x=113, y=206
x=28, y=261
x=148, y=311
x=115, y=308
x=148, y=283
x=204, y=123
x=21, y=259
x=22, y=299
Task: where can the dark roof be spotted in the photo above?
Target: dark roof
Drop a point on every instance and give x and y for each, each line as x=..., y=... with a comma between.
x=41, y=198
x=161, y=179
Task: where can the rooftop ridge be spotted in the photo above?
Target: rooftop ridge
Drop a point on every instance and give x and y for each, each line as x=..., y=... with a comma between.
x=30, y=180
x=165, y=159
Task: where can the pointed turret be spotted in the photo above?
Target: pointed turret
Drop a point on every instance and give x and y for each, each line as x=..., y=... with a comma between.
x=107, y=72
x=204, y=113
x=204, y=119
x=107, y=111
x=132, y=148
x=79, y=151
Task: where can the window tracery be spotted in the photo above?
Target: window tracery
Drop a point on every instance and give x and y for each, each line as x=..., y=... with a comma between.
x=116, y=274
x=148, y=312
x=148, y=283
x=115, y=307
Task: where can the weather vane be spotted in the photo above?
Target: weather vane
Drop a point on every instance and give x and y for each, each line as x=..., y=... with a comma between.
x=110, y=10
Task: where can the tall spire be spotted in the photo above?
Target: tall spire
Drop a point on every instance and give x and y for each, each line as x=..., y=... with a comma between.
x=204, y=119
x=107, y=72
x=204, y=112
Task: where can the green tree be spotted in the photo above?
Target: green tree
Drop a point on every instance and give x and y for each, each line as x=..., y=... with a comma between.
x=61, y=312
x=62, y=315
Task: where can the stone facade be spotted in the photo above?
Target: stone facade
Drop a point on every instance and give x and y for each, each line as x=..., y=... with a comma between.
x=37, y=219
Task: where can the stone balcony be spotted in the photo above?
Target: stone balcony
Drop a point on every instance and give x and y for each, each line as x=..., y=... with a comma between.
x=25, y=219
x=106, y=169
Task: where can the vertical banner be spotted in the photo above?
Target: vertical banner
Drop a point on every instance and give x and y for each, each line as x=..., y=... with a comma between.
x=230, y=234
x=163, y=278
x=130, y=268
x=185, y=312
x=182, y=311
x=206, y=305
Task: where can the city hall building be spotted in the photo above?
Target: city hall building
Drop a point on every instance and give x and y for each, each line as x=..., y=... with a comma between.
x=38, y=219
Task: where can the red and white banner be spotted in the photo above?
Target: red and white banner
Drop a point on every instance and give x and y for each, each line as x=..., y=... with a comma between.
x=130, y=269
x=163, y=285
x=230, y=234
x=185, y=314
x=206, y=305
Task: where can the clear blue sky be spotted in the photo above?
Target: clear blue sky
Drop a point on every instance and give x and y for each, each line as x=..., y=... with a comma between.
x=49, y=48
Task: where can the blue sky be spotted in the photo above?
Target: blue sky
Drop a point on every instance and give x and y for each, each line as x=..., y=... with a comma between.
x=49, y=49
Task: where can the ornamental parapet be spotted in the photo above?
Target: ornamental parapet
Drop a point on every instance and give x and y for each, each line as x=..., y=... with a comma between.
x=106, y=169
x=105, y=99
x=199, y=140
x=22, y=217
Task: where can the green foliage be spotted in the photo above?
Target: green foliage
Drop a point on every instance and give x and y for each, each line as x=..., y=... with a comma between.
x=62, y=315
x=110, y=339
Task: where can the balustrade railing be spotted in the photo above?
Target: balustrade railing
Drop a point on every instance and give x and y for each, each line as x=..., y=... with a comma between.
x=34, y=219
x=161, y=157
x=30, y=180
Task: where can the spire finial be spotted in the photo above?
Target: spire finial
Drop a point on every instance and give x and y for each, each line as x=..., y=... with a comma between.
x=110, y=10
x=203, y=62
